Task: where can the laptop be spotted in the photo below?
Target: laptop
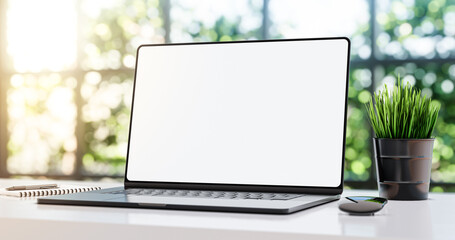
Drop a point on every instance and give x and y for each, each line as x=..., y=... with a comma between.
x=244, y=126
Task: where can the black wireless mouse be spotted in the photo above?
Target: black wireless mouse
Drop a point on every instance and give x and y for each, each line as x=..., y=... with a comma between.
x=361, y=205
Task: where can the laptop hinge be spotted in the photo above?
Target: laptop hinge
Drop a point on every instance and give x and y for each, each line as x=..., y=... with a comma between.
x=240, y=188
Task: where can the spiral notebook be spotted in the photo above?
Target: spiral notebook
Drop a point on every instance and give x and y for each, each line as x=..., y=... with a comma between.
x=63, y=189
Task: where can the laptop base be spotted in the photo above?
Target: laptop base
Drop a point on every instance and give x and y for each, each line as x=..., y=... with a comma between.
x=104, y=199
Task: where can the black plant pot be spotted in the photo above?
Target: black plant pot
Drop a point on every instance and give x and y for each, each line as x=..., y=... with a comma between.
x=403, y=167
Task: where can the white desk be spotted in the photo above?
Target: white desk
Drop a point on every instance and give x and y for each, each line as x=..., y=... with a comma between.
x=24, y=219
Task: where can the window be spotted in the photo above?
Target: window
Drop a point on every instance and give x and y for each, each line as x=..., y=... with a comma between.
x=66, y=77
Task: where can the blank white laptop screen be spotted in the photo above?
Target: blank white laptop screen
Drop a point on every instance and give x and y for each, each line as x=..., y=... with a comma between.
x=261, y=113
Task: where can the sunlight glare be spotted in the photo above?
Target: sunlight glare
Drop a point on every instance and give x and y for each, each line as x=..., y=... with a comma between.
x=42, y=35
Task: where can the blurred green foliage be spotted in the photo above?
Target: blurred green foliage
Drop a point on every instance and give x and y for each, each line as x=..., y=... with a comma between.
x=112, y=34
x=358, y=139
x=106, y=115
x=407, y=30
x=419, y=28
x=423, y=29
x=210, y=21
x=223, y=30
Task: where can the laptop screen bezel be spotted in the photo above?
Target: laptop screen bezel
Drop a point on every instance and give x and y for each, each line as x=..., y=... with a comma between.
x=242, y=187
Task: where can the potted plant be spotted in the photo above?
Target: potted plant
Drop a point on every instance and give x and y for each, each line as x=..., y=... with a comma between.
x=403, y=121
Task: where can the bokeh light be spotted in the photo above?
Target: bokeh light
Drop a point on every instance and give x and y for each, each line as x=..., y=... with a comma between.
x=114, y=30
x=42, y=121
x=415, y=29
x=327, y=18
x=106, y=114
x=222, y=20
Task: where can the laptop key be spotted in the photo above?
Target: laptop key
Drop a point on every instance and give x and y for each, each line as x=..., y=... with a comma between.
x=286, y=196
x=207, y=194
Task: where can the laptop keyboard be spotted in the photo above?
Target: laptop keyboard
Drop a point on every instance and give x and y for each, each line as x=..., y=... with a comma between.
x=206, y=194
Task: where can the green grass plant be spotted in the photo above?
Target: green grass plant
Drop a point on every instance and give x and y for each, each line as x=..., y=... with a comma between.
x=402, y=113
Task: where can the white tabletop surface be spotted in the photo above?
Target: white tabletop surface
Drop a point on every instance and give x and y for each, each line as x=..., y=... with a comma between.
x=22, y=218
